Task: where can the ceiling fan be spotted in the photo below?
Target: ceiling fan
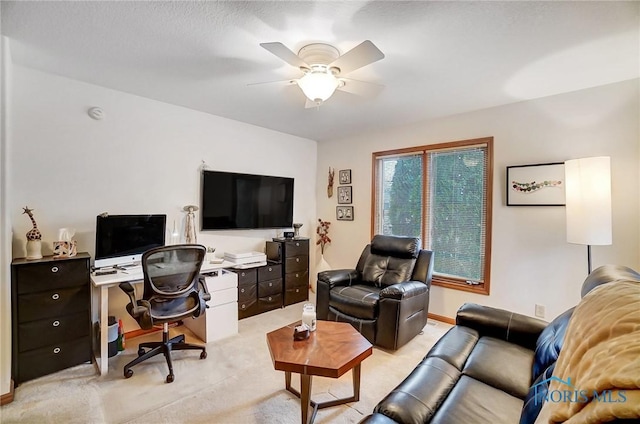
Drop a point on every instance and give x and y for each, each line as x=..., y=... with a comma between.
x=324, y=68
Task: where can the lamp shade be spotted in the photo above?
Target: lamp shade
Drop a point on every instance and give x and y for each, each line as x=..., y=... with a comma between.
x=588, y=200
x=318, y=85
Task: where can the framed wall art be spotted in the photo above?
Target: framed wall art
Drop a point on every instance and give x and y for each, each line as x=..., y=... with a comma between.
x=344, y=177
x=344, y=213
x=344, y=195
x=541, y=184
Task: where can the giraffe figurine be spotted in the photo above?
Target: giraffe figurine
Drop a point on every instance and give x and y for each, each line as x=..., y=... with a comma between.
x=34, y=237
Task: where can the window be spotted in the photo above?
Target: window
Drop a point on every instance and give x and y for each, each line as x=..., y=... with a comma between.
x=442, y=194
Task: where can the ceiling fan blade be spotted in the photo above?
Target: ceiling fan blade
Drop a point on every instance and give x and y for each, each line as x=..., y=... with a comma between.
x=361, y=55
x=361, y=88
x=287, y=81
x=285, y=54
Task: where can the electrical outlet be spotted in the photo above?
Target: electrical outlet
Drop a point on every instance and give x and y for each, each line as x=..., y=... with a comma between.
x=539, y=311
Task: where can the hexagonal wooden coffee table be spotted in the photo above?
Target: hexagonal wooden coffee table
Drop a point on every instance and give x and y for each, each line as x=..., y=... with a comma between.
x=330, y=351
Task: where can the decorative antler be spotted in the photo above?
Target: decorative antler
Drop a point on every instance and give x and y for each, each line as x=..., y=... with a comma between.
x=332, y=173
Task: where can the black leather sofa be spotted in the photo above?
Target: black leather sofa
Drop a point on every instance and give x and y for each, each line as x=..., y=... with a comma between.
x=386, y=296
x=486, y=368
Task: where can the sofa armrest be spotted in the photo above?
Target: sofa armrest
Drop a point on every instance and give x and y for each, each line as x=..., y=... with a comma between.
x=328, y=280
x=501, y=324
x=338, y=277
x=403, y=290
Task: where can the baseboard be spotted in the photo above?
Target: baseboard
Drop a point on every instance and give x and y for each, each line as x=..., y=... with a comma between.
x=442, y=318
x=7, y=397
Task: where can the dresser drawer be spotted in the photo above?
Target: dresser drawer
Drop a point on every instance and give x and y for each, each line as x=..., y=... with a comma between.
x=247, y=308
x=269, y=272
x=46, y=332
x=270, y=287
x=52, y=275
x=247, y=276
x=53, y=303
x=296, y=279
x=269, y=303
x=295, y=295
x=296, y=248
x=247, y=293
x=52, y=358
x=296, y=263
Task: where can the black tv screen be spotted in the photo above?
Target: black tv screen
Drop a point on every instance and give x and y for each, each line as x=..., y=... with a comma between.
x=245, y=201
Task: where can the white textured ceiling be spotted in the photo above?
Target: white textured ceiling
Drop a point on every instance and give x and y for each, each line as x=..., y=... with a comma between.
x=442, y=58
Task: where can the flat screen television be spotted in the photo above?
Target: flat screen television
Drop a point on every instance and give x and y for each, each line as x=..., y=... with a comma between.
x=245, y=201
x=122, y=239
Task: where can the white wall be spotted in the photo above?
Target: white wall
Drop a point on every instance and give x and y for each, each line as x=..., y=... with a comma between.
x=144, y=157
x=531, y=261
x=5, y=226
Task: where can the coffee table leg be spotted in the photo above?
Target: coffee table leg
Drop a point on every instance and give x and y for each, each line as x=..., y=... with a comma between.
x=356, y=383
x=305, y=397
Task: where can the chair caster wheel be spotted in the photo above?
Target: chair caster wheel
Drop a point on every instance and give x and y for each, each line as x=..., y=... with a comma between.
x=140, y=351
x=170, y=378
x=128, y=373
x=203, y=355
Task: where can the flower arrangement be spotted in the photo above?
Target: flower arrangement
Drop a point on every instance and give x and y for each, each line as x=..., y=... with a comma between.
x=323, y=234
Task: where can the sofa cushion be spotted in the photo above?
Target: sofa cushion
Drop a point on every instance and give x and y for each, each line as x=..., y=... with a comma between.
x=455, y=346
x=383, y=271
x=359, y=300
x=503, y=365
x=549, y=343
x=413, y=401
x=472, y=401
x=535, y=398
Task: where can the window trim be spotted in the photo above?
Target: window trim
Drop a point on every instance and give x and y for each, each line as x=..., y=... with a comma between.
x=441, y=280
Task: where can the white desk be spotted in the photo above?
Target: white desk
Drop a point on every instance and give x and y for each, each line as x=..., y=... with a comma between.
x=100, y=304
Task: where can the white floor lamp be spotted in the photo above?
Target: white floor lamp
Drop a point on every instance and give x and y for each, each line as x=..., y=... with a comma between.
x=588, y=204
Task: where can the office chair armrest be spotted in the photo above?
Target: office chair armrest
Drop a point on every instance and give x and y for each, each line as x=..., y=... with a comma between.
x=130, y=291
x=204, y=292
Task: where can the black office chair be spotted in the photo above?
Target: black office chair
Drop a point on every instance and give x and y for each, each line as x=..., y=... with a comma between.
x=173, y=290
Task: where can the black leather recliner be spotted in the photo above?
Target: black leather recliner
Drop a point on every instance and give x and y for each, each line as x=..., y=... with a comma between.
x=386, y=297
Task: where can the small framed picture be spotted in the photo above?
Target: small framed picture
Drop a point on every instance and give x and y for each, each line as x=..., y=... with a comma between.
x=344, y=213
x=344, y=177
x=540, y=184
x=344, y=195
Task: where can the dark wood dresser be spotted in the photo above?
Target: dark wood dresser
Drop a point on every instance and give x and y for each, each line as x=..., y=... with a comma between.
x=51, y=315
x=259, y=289
x=293, y=254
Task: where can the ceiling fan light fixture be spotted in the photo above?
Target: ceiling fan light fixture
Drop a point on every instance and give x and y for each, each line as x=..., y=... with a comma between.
x=318, y=84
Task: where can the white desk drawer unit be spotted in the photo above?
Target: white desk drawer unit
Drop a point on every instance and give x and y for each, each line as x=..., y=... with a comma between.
x=221, y=318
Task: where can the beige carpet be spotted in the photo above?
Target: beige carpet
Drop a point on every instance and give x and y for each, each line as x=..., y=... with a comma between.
x=235, y=384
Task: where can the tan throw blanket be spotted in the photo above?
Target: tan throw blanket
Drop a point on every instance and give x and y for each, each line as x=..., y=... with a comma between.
x=597, y=376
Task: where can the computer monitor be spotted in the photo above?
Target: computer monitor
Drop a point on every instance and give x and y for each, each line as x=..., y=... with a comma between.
x=122, y=239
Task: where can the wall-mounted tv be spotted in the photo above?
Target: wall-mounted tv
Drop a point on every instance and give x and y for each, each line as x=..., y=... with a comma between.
x=245, y=201
x=122, y=239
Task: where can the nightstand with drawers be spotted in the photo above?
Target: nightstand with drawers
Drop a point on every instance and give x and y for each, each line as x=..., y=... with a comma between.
x=51, y=315
x=293, y=255
x=259, y=289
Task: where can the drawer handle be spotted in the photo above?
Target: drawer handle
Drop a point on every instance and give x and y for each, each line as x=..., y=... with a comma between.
x=243, y=306
x=270, y=269
x=270, y=284
x=297, y=290
x=297, y=259
x=54, y=269
x=243, y=274
x=56, y=350
x=55, y=296
x=56, y=323
x=297, y=244
x=297, y=275
x=270, y=298
x=241, y=290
